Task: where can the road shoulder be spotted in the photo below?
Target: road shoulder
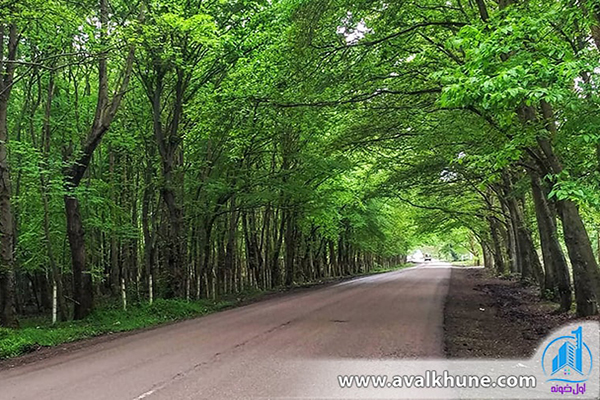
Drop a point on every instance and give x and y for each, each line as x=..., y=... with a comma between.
x=489, y=317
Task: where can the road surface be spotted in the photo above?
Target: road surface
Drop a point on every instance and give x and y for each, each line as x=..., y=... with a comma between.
x=248, y=352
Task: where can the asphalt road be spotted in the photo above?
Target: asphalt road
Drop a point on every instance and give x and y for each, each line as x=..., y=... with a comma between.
x=252, y=351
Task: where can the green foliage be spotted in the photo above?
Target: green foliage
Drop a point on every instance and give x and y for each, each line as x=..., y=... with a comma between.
x=356, y=128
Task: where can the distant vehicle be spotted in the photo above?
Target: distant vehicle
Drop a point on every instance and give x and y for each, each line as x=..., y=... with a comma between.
x=427, y=257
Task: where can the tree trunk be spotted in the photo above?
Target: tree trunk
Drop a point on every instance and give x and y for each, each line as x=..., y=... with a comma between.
x=114, y=267
x=488, y=258
x=105, y=112
x=8, y=314
x=60, y=311
x=230, y=250
x=557, y=270
x=290, y=248
x=528, y=259
x=586, y=275
x=510, y=237
x=206, y=254
x=82, y=280
x=585, y=269
x=496, y=248
x=168, y=139
x=514, y=241
x=531, y=265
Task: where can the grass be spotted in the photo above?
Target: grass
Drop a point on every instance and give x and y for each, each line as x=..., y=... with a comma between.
x=39, y=332
x=36, y=333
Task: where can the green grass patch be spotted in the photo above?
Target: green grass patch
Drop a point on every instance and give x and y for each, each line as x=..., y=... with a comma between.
x=36, y=333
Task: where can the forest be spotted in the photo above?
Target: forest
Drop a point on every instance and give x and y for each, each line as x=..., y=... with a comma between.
x=194, y=149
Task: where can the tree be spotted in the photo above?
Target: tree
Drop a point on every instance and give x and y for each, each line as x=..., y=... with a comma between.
x=8, y=58
x=106, y=109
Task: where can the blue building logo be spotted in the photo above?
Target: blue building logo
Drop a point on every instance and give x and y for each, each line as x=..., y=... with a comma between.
x=567, y=359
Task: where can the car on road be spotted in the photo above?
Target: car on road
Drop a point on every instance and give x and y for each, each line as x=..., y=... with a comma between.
x=427, y=257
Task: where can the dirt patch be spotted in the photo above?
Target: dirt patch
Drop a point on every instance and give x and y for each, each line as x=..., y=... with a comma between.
x=488, y=317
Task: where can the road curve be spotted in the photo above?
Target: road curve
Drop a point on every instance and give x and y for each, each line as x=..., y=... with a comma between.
x=243, y=352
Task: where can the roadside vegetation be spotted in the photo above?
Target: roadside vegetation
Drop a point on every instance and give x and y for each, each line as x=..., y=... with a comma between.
x=39, y=332
x=36, y=333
